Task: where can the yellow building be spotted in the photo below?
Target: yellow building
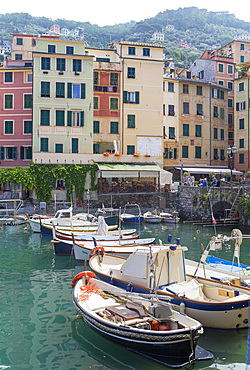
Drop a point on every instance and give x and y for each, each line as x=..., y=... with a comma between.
x=237, y=49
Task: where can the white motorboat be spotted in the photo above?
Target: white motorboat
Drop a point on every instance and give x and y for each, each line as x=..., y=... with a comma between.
x=215, y=304
x=143, y=325
x=152, y=217
x=170, y=217
x=131, y=218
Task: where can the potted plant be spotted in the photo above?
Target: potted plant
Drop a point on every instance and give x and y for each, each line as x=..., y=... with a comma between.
x=147, y=155
x=106, y=154
x=137, y=155
x=118, y=154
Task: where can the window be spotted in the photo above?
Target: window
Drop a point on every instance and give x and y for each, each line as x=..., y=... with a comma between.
x=27, y=127
x=26, y=152
x=242, y=47
x=198, y=130
x=230, y=119
x=188, y=74
x=114, y=127
x=130, y=149
x=60, y=64
x=198, y=152
x=216, y=114
x=58, y=148
x=113, y=103
x=96, y=78
x=146, y=52
x=241, y=106
x=199, y=110
x=30, y=77
x=19, y=41
x=221, y=67
x=8, y=101
x=27, y=101
x=215, y=133
x=96, y=148
x=60, y=90
x=185, y=129
x=222, y=155
x=60, y=118
x=230, y=135
x=75, y=118
x=164, y=109
x=230, y=103
x=76, y=91
x=131, y=72
x=45, y=63
x=44, y=144
x=184, y=151
x=185, y=108
x=170, y=86
x=222, y=134
x=241, y=158
x=241, y=123
x=77, y=65
x=8, y=127
x=69, y=50
x=201, y=75
x=198, y=90
x=45, y=117
x=242, y=59
x=230, y=69
x=241, y=143
x=131, y=97
x=45, y=89
x=171, y=110
x=230, y=85
x=241, y=86
x=9, y=152
x=18, y=56
x=131, y=50
x=51, y=49
x=185, y=89
x=216, y=157
x=114, y=79
x=221, y=113
x=96, y=127
x=96, y=102
x=8, y=77
x=74, y=145
x=165, y=154
x=131, y=121
x=171, y=132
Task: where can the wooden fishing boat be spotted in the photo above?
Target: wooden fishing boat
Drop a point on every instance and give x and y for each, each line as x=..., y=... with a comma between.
x=145, y=326
x=215, y=304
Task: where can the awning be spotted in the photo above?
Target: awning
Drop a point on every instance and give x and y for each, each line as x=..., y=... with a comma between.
x=129, y=170
x=206, y=170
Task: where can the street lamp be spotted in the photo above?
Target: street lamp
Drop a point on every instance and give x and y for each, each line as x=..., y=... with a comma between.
x=231, y=151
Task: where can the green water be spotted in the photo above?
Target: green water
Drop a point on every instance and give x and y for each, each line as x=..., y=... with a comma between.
x=38, y=324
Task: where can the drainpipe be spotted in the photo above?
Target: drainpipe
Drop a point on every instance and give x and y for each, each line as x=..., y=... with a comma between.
x=210, y=123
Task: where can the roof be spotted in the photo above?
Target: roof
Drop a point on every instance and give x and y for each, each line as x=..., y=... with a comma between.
x=204, y=170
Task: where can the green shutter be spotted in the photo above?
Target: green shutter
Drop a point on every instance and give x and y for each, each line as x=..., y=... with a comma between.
x=69, y=118
x=82, y=118
x=29, y=152
x=69, y=91
x=15, y=152
x=137, y=97
x=22, y=152
x=83, y=91
x=2, y=152
x=74, y=145
x=125, y=96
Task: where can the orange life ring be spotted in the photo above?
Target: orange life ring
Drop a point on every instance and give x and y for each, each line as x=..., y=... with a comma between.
x=82, y=274
x=95, y=250
x=198, y=231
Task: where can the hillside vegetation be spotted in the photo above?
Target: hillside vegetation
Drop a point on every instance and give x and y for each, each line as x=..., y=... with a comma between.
x=200, y=28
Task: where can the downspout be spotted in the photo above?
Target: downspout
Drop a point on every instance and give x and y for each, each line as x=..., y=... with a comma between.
x=210, y=123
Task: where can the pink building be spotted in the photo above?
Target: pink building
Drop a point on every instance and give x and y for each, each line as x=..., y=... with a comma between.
x=16, y=114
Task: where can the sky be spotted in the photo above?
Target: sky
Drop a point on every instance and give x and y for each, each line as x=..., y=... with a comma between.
x=110, y=12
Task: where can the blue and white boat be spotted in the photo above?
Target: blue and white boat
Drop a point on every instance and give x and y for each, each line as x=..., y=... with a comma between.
x=215, y=304
x=132, y=218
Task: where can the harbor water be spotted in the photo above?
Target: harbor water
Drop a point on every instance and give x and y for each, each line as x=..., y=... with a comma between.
x=39, y=327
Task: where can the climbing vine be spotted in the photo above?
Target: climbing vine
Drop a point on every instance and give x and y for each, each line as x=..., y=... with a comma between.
x=41, y=177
